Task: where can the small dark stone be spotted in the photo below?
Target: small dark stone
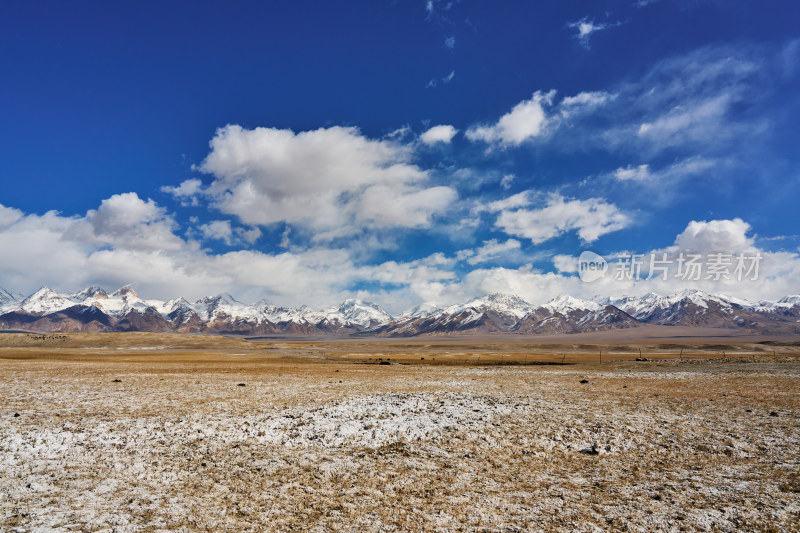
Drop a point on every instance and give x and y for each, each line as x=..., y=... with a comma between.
x=384, y=363
x=116, y=381
x=748, y=410
x=16, y=415
x=241, y=385
x=590, y=451
x=584, y=381
x=773, y=413
x=202, y=464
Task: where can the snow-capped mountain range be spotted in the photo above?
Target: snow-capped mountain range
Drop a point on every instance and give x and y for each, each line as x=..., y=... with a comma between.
x=94, y=309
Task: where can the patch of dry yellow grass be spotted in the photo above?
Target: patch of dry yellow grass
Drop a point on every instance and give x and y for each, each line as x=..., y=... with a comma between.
x=207, y=440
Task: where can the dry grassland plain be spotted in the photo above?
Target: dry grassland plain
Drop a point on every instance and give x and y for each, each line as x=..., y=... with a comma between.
x=148, y=432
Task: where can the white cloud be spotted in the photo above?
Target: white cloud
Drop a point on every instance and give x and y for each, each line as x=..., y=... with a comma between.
x=511, y=202
x=629, y=173
x=585, y=28
x=779, y=272
x=715, y=236
x=127, y=220
x=325, y=180
x=392, y=206
x=505, y=183
x=438, y=134
x=8, y=215
x=539, y=117
x=218, y=230
x=565, y=263
x=450, y=42
x=592, y=217
x=530, y=284
x=491, y=250
x=63, y=252
x=686, y=122
x=669, y=175
x=701, y=101
x=527, y=119
x=584, y=101
x=188, y=192
x=434, y=82
x=58, y=250
x=249, y=235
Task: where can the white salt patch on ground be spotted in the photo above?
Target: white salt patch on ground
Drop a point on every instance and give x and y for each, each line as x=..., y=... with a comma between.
x=421, y=449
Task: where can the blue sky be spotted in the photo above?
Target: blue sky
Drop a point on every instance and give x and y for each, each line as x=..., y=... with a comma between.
x=400, y=152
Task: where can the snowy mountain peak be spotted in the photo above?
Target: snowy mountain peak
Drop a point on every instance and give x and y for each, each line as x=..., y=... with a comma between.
x=503, y=304
x=123, y=292
x=362, y=313
x=220, y=299
x=45, y=301
x=422, y=310
x=90, y=292
x=8, y=301
x=7, y=297
x=565, y=304
x=490, y=313
x=175, y=304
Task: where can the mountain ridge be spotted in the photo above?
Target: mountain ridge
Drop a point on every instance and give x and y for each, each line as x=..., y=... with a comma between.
x=94, y=309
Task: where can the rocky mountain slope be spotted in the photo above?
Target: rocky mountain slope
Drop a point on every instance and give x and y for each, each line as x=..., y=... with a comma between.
x=94, y=309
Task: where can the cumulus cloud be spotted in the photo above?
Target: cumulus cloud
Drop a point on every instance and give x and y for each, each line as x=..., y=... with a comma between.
x=48, y=249
x=249, y=235
x=128, y=221
x=63, y=252
x=217, y=230
x=331, y=181
x=8, y=215
x=526, y=120
x=438, y=134
x=538, y=117
x=715, y=236
x=187, y=192
x=777, y=273
x=591, y=218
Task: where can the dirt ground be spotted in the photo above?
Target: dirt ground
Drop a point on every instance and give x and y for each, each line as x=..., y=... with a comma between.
x=186, y=433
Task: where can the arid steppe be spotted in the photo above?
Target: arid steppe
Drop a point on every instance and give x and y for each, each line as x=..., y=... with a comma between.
x=147, y=432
